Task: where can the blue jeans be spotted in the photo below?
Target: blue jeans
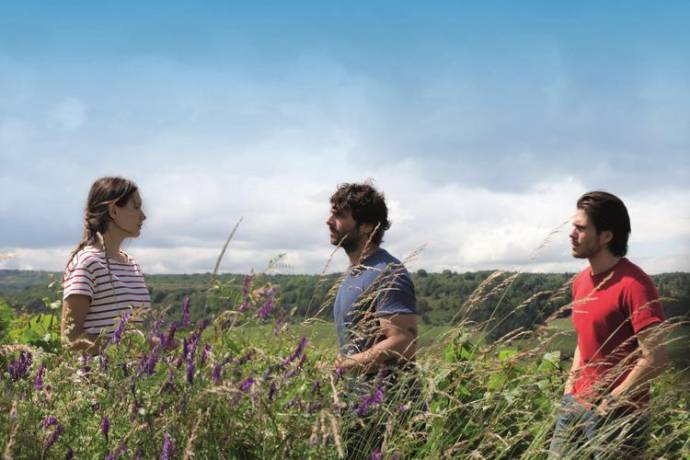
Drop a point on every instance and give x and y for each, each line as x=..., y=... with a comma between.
x=582, y=432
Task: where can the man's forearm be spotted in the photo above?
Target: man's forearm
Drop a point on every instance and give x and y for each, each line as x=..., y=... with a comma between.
x=391, y=347
x=572, y=375
x=645, y=370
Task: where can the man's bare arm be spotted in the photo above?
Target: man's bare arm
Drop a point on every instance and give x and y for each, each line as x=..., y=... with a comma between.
x=400, y=332
x=574, y=370
x=652, y=362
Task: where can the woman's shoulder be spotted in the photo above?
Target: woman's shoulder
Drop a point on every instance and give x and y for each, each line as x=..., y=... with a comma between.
x=85, y=257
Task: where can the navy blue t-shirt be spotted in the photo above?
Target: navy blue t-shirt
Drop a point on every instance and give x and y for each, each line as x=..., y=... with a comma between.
x=379, y=286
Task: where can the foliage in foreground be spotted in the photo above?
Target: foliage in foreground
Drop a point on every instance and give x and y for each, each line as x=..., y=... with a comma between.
x=243, y=385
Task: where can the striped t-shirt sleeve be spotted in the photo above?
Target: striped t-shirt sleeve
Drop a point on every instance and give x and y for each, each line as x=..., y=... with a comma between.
x=78, y=279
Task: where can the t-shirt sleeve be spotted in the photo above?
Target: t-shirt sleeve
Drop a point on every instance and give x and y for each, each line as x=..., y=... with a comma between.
x=642, y=301
x=78, y=278
x=397, y=295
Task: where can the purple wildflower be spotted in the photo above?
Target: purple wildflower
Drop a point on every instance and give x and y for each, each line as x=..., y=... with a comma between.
x=216, y=373
x=298, y=351
x=185, y=349
x=114, y=455
x=190, y=372
x=117, y=334
x=170, y=339
x=49, y=421
x=185, y=311
x=105, y=426
x=54, y=435
x=247, y=285
x=365, y=404
x=150, y=365
x=339, y=372
x=266, y=309
x=204, y=354
x=244, y=306
x=156, y=328
x=194, y=343
x=376, y=454
x=246, y=384
x=168, y=447
x=19, y=368
x=38, y=382
x=296, y=370
x=272, y=391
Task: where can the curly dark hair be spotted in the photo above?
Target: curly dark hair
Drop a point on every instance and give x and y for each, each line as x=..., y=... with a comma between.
x=366, y=204
x=608, y=213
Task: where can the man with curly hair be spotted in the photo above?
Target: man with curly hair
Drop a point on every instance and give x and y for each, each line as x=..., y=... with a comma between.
x=374, y=312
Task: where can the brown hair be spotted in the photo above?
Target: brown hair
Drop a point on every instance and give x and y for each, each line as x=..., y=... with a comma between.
x=366, y=204
x=105, y=191
x=608, y=213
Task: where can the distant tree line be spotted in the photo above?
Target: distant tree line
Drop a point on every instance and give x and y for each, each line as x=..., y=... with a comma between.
x=505, y=301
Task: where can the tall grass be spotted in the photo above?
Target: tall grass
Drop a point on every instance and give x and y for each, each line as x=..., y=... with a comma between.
x=252, y=383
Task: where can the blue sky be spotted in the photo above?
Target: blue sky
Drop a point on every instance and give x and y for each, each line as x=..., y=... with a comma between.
x=483, y=124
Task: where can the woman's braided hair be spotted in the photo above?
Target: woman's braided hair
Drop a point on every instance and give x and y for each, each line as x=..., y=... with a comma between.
x=105, y=191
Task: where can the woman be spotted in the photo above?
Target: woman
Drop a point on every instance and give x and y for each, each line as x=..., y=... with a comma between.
x=102, y=283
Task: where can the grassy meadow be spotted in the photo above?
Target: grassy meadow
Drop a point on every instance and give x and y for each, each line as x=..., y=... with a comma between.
x=252, y=382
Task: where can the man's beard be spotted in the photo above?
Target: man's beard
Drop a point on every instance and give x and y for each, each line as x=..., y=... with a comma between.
x=350, y=242
x=587, y=251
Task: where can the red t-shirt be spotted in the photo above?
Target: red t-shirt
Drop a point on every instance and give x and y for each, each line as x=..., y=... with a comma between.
x=608, y=310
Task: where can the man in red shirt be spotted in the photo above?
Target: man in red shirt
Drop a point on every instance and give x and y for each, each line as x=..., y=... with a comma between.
x=615, y=312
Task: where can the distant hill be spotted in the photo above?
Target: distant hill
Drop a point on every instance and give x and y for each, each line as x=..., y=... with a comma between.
x=509, y=300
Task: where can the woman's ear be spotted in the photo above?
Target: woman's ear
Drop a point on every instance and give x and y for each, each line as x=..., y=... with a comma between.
x=112, y=211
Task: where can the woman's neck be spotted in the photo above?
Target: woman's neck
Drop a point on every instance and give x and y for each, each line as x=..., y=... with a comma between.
x=111, y=245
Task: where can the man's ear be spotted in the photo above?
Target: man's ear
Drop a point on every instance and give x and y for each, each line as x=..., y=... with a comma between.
x=605, y=237
x=366, y=228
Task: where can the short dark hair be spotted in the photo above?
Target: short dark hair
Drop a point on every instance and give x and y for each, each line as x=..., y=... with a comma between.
x=608, y=213
x=366, y=204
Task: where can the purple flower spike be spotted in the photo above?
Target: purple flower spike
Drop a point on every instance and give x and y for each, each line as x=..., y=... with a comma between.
x=272, y=391
x=170, y=339
x=204, y=354
x=266, y=309
x=121, y=449
x=49, y=421
x=296, y=370
x=247, y=285
x=190, y=372
x=185, y=311
x=117, y=334
x=105, y=426
x=38, y=382
x=298, y=351
x=216, y=374
x=376, y=454
x=168, y=447
x=19, y=368
x=55, y=435
x=185, y=348
x=247, y=384
x=373, y=399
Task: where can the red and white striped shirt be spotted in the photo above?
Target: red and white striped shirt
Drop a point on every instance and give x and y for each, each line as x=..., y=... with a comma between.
x=113, y=292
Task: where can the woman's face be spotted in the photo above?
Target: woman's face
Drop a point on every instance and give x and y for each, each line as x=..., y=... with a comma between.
x=130, y=217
